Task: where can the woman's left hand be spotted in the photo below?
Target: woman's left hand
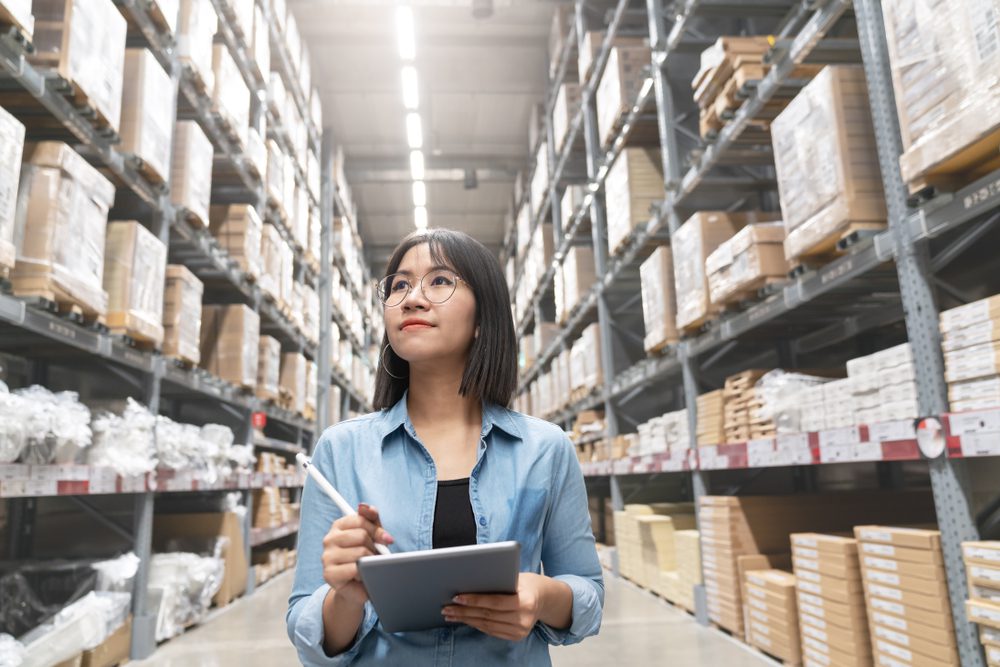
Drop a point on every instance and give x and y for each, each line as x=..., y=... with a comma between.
x=510, y=617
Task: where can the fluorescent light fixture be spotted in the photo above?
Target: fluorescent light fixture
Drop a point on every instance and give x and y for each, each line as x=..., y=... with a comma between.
x=420, y=217
x=419, y=194
x=417, y=165
x=405, y=34
x=414, y=131
x=411, y=93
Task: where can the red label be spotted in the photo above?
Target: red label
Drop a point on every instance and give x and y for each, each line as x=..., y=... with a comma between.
x=259, y=420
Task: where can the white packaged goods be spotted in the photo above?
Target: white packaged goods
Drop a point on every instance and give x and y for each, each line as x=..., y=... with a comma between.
x=182, y=315
x=300, y=219
x=18, y=12
x=659, y=307
x=269, y=369
x=238, y=230
x=186, y=583
x=56, y=425
x=578, y=275
x=276, y=176
x=277, y=96
x=788, y=398
x=540, y=179
x=826, y=162
x=752, y=258
x=80, y=626
x=195, y=31
x=11, y=147
x=305, y=73
x=243, y=11
x=315, y=109
x=624, y=76
x=191, y=171
x=134, y=265
x=147, y=117
x=124, y=443
x=60, y=240
x=84, y=40
x=633, y=185
x=568, y=102
x=230, y=95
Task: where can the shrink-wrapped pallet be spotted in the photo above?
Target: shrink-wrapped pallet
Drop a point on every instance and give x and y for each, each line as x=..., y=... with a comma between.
x=634, y=184
x=237, y=228
x=567, y=106
x=134, y=265
x=623, y=78
x=230, y=336
x=195, y=30
x=577, y=276
x=659, y=303
x=182, y=315
x=751, y=259
x=230, y=95
x=293, y=381
x=593, y=40
x=147, y=116
x=271, y=261
x=191, y=171
x=269, y=369
x=11, y=149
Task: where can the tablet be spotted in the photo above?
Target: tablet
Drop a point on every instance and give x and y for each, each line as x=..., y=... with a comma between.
x=409, y=589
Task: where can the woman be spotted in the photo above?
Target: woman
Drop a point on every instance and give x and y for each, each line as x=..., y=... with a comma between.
x=446, y=464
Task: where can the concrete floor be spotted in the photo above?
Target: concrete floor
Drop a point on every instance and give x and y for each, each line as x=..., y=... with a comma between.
x=638, y=629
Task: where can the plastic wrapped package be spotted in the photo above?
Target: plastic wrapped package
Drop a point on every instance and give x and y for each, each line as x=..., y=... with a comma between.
x=238, y=230
x=826, y=162
x=633, y=185
x=293, y=40
x=944, y=58
x=182, y=296
x=60, y=238
x=147, y=117
x=313, y=177
x=242, y=459
x=572, y=199
x=623, y=78
x=593, y=40
x=310, y=400
x=578, y=276
x=191, y=171
x=783, y=397
x=18, y=12
x=11, y=148
x=116, y=575
x=84, y=41
x=268, y=368
x=217, y=444
x=11, y=651
x=566, y=108
x=13, y=436
x=81, y=626
x=270, y=253
x=32, y=594
x=186, y=583
x=659, y=302
x=310, y=312
x=261, y=44
x=752, y=258
x=230, y=95
x=293, y=381
x=277, y=96
x=229, y=340
x=124, y=442
x=57, y=426
x=195, y=32
x=134, y=266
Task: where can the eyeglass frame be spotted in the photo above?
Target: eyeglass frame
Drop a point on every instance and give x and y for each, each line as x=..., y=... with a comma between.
x=420, y=283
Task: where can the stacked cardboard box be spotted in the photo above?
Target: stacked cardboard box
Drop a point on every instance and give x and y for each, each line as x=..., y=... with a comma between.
x=191, y=171
x=971, y=342
x=238, y=230
x=658, y=550
x=827, y=165
x=540, y=179
x=292, y=385
x=60, y=256
x=310, y=401
x=18, y=13
x=633, y=185
x=134, y=265
x=267, y=507
x=567, y=106
x=574, y=280
x=11, y=148
x=883, y=385
x=586, y=371
x=711, y=419
x=269, y=564
x=907, y=595
x=147, y=113
x=726, y=65
x=182, y=315
x=832, y=613
x=572, y=200
x=773, y=619
x=688, y=546
x=640, y=531
x=269, y=369
x=982, y=566
x=230, y=95
x=230, y=337
x=838, y=404
x=624, y=76
x=271, y=261
x=592, y=43
x=195, y=29
x=84, y=41
x=659, y=302
x=739, y=395
x=753, y=258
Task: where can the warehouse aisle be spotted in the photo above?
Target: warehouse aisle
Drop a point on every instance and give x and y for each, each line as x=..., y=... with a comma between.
x=638, y=630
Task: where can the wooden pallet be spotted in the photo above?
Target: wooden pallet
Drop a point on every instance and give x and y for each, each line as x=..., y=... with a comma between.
x=756, y=290
x=772, y=656
x=147, y=171
x=139, y=334
x=199, y=84
x=11, y=24
x=837, y=242
x=79, y=98
x=52, y=297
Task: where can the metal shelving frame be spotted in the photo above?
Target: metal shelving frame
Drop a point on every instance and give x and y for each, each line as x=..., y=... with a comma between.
x=148, y=375
x=900, y=253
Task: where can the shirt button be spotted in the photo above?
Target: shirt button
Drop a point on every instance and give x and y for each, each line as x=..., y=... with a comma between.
x=482, y=521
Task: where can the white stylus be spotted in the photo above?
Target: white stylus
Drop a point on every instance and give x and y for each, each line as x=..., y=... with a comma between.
x=332, y=493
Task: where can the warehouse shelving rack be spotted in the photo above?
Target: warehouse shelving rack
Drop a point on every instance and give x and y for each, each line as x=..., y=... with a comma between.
x=32, y=332
x=879, y=282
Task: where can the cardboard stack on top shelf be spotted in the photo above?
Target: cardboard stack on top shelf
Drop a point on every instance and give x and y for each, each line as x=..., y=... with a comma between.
x=694, y=241
x=832, y=615
x=907, y=596
x=725, y=68
x=230, y=95
x=567, y=106
x=633, y=185
x=827, y=165
x=292, y=385
x=592, y=42
x=230, y=337
x=182, y=315
x=60, y=257
x=971, y=343
x=623, y=78
x=711, y=421
x=688, y=546
x=573, y=280
x=84, y=41
x=269, y=369
x=147, y=114
x=11, y=148
x=191, y=171
x=949, y=109
x=659, y=302
x=752, y=259
x=134, y=265
x=237, y=228
x=982, y=566
x=773, y=619
x=195, y=29
x=738, y=394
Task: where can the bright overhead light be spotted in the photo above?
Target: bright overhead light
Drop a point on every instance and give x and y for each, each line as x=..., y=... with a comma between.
x=420, y=217
x=411, y=93
x=405, y=34
x=414, y=131
x=417, y=165
x=419, y=194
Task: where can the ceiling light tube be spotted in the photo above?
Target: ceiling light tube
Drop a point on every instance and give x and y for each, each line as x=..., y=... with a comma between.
x=414, y=131
x=420, y=217
x=419, y=194
x=405, y=35
x=417, y=165
x=411, y=92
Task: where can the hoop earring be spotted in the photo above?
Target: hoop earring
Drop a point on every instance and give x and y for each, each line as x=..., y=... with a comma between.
x=381, y=359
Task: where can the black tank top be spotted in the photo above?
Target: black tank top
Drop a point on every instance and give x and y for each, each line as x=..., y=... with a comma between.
x=454, y=523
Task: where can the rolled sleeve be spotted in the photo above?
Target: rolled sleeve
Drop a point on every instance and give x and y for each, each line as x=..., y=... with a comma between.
x=587, y=612
x=306, y=631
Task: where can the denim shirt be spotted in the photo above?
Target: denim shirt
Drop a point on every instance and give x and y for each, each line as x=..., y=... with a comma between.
x=526, y=486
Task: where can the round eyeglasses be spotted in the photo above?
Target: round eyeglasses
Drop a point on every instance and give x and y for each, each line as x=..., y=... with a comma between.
x=437, y=287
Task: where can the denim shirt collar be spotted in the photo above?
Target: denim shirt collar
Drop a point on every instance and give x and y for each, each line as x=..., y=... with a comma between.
x=493, y=416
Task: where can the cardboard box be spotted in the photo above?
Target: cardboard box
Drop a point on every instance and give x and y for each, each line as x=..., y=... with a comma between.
x=293, y=380
x=623, y=78
x=578, y=277
x=135, y=262
x=11, y=148
x=716, y=64
x=18, y=13
x=147, y=115
x=567, y=106
x=230, y=95
x=191, y=171
x=935, y=602
x=751, y=259
x=908, y=656
x=912, y=570
x=182, y=296
x=909, y=538
x=238, y=229
x=84, y=41
x=229, y=343
x=196, y=27
x=269, y=369
x=939, y=634
x=827, y=163
x=980, y=361
x=112, y=651
x=901, y=554
x=271, y=261
x=659, y=302
x=593, y=40
x=539, y=179
x=208, y=525
x=61, y=257
x=633, y=185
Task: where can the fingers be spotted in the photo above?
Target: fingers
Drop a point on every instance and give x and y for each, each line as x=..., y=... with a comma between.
x=351, y=537
x=494, y=629
x=497, y=602
x=371, y=514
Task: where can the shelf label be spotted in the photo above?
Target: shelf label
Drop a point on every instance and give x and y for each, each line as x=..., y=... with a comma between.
x=892, y=431
x=760, y=453
x=980, y=444
x=13, y=488
x=14, y=471
x=103, y=481
x=839, y=437
x=974, y=422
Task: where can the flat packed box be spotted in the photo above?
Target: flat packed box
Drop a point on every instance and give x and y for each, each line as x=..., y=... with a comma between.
x=904, y=568
x=238, y=230
x=293, y=380
x=934, y=602
x=191, y=171
x=909, y=538
x=593, y=40
x=623, y=79
x=230, y=95
x=578, y=277
x=633, y=185
x=135, y=264
x=902, y=655
x=659, y=303
x=981, y=361
x=229, y=343
x=567, y=106
x=269, y=369
x=11, y=148
x=182, y=296
x=196, y=27
x=977, y=312
x=752, y=258
x=147, y=116
x=711, y=76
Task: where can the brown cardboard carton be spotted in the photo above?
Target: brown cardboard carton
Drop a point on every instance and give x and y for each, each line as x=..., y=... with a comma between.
x=910, y=538
x=623, y=78
x=592, y=43
x=293, y=380
x=659, y=302
x=751, y=259
x=578, y=277
x=182, y=296
x=196, y=27
x=271, y=261
x=134, y=267
x=269, y=369
x=633, y=185
x=11, y=149
x=567, y=106
x=229, y=343
x=901, y=554
x=892, y=625
x=228, y=525
x=912, y=570
x=191, y=171
x=230, y=95
x=238, y=229
x=147, y=117
x=112, y=651
x=935, y=602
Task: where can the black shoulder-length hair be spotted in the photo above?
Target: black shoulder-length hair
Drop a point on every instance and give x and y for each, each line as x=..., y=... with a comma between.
x=491, y=372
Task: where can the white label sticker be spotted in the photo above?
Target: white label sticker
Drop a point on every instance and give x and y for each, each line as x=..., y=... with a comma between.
x=806, y=553
x=813, y=613
x=897, y=651
x=874, y=535
x=879, y=549
x=815, y=632
x=810, y=587
x=884, y=591
x=980, y=553
x=814, y=600
x=805, y=541
x=809, y=619
x=809, y=576
x=805, y=564
x=891, y=621
x=892, y=431
x=885, y=605
x=892, y=635
x=881, y=563
x=883, y=577
x=987, y=573
x=980, y=444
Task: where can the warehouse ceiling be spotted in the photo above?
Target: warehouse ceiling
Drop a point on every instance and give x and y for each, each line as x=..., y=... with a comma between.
x=478, y=79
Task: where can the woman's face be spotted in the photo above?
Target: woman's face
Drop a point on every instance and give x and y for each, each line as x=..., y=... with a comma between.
x=421, y=331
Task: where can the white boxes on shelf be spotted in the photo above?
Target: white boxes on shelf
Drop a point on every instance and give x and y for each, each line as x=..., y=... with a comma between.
x=191, y=171
x=971, y=344
x=230, y=95
x=11, y=149
x=634, y=184
x=195, y=30
x=659, y=304
x=147, y=115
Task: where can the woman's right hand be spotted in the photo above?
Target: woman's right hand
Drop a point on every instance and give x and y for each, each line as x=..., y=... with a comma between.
x=350, y=538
